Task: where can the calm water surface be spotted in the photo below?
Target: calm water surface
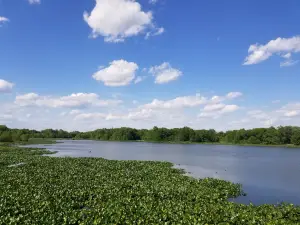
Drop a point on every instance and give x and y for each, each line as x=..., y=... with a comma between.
x=269, y=175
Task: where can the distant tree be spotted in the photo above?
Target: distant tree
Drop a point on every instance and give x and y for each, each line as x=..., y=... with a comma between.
x=285, y=134
x=24, y=137
x=253, y=140
x=295, y=139
x=6, y=137
x=16, y=137
x=269, y=136
x=3, y=128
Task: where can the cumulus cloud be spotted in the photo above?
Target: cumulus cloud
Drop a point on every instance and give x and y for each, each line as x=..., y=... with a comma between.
x=164, y=73
x=142, y=114
x=137, y=114
x=177, y=103
x=5, y=86
x=190, y=101
x=290, y=110
x=117, y=20
x=213, y=107
x=34, y=2
x=70, y=101
x=118, y=73
x=229, y=96
x=3, y=20
x=217, y=98
x=292, y=113
x=281, y=46
x=80, y=112
x=84, y=116
x=281, y=117
x=258, y=114
x=216, y=110
x=166, y=110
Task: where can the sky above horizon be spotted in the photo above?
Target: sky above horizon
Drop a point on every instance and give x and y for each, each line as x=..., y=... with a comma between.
x=84, y=65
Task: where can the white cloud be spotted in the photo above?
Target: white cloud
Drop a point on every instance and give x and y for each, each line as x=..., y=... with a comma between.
x=177, y=103
x=85, y=116
x=232, y=95
x=142, y=114
x=70, y=101
x=139, y=79
x=288, y=62
x=193, y=101
x=230, y=108
x=117, y=20
x=258, y=114
x=290, y=110
x=74, y=112
x=138, y=114
x=5, y=86
x=217, y=98
x=164, y=73
x=118, y=73
x=155, y=32
x=34, y=2
x=153, y=2
x=5, y=117
x=80, y=112
x=159, y=31
x=213, y=107
x=282, y=46
x=3, y=20
x=216, y=110
x=135, y=115
x=229, y=96
x=292, y=113
x=287, y=55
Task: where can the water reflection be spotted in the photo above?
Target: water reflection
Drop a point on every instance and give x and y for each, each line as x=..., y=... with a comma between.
x=268, y=175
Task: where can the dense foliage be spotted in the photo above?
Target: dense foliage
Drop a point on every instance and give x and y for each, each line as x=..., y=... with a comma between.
x=265, y=136
x=49, y=190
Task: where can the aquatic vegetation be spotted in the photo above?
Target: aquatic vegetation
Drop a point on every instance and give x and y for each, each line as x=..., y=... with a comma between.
x=49, y=190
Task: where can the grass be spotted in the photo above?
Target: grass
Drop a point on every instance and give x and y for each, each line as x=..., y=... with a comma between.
x=35, y=141
x=48, y=190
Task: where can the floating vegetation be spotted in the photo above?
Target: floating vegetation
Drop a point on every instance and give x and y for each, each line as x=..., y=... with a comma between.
x=48, y=190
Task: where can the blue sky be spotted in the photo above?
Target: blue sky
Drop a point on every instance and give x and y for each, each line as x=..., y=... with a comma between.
x=109, y=63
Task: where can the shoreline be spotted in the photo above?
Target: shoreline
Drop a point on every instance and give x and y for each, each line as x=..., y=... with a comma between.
x=191, y=143
x=56, y=141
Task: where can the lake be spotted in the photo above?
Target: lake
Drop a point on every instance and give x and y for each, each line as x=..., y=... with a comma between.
x=268, y=174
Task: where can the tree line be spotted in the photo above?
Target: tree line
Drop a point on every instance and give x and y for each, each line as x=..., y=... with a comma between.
x=264, y=136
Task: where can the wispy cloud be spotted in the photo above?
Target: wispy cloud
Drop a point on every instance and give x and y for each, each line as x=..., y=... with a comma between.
x=34, y=2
